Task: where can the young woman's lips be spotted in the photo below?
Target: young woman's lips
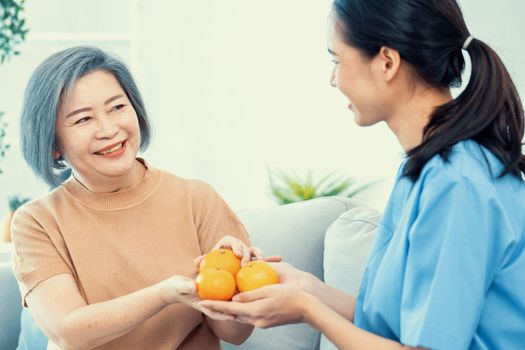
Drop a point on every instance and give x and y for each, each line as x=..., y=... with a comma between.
x=350, y=105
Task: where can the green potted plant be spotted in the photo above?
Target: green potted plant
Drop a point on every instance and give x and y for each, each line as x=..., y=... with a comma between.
x=15, y=202
x=286, y=188
x=12, y=33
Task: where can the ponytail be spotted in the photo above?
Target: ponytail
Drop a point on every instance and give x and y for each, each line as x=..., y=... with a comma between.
x=430, y=36
x=489, y=111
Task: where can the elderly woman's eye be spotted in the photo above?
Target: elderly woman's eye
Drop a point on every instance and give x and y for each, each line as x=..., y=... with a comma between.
x=82, y=120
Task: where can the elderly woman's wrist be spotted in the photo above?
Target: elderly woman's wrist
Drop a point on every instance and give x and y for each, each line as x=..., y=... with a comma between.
x=165, y=293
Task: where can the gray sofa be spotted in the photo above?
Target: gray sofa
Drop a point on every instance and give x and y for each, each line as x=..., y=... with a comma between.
x=10, y=304
x=329, y=237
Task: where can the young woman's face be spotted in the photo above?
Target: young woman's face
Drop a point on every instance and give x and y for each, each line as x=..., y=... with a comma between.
x=97, y=129
x=358, y=78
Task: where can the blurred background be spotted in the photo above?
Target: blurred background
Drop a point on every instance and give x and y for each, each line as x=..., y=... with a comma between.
x=233, y=88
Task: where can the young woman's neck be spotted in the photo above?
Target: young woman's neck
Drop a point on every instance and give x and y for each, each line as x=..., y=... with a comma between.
x=412, y=113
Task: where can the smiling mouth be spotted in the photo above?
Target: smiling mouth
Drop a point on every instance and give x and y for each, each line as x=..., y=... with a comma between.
x=111, y=150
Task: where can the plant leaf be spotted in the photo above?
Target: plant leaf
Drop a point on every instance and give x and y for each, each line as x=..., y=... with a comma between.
x=287, y=188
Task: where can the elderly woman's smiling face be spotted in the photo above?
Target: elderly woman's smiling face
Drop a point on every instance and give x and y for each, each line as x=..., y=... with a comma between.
x=97, y=130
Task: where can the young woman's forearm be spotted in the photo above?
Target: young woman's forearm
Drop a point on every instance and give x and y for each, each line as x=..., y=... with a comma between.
x=97, y=324
x=344, y=334
x=335, y=299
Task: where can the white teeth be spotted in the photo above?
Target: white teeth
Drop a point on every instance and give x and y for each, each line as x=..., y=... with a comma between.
x=117, y=147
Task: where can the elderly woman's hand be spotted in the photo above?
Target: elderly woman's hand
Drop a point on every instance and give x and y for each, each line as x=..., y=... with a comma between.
x=181, y=289
x=241, y=250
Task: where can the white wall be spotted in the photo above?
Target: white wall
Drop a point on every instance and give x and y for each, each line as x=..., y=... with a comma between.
x=233, y=86
x=246, y=87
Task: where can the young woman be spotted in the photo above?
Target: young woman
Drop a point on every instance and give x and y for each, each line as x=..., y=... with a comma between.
x=106, y=259
x=449, y=259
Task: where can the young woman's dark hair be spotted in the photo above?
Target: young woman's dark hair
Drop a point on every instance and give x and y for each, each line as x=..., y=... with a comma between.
x=429, y=35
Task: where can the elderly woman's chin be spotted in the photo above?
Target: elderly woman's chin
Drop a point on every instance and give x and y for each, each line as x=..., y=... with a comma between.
x=118, y=162
x=115, y=162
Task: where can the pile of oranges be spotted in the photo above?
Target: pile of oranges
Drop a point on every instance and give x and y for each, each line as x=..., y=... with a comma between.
x=221, y=275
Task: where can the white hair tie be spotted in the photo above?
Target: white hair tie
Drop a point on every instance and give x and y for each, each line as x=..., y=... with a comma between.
x=467, y=42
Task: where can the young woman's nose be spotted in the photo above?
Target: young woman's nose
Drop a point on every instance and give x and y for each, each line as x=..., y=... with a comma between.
x=333, y=82
x=107, y=128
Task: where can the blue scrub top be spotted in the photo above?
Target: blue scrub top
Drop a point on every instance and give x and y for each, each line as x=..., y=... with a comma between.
x=447, y=270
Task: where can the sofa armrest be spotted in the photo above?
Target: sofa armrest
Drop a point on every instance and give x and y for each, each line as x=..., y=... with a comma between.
x=348, y=242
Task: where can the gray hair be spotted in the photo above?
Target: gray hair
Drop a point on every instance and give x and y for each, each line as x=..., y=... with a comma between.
x=53, y=79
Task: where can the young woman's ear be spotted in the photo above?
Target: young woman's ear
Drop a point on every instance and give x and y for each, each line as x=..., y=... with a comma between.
x=390, y=61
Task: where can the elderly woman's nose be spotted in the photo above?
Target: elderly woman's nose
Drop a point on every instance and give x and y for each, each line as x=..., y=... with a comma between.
x=107, y=127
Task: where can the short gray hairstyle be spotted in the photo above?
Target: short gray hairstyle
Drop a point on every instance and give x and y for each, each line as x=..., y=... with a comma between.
x=53, y=79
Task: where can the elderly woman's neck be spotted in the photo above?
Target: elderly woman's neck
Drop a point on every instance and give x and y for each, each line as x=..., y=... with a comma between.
x=114, y=184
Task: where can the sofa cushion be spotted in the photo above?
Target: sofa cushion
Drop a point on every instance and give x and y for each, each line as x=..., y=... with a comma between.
x=5, y=251
x=31, y=337
x=10, y=306
x=348, y=241
x=18, y=330
x=296, y=232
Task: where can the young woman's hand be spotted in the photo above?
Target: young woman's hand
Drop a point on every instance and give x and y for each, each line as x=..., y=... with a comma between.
x=291, y=275
x=241, y=250
x=264, y=307
x=270, y=305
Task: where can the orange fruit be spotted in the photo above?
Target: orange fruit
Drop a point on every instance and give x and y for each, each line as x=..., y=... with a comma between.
x=255, y=275
x=215, y=284
x=223, y=259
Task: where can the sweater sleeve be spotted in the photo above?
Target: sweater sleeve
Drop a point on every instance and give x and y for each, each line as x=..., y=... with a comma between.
x=35, y=256
x=215, y=219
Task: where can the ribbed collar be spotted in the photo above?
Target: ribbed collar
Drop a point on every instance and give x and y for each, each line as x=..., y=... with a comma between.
x=116, y=200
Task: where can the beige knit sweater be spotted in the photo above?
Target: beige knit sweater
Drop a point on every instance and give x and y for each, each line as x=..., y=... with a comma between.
x=117, y=243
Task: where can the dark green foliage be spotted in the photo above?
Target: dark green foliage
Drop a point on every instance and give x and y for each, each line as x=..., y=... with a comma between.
x=3, y=146
x=12, y=33
x=16, y=201
x=12, y=28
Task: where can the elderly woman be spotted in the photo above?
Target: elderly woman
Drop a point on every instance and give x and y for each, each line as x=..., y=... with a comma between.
x=105, y=259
